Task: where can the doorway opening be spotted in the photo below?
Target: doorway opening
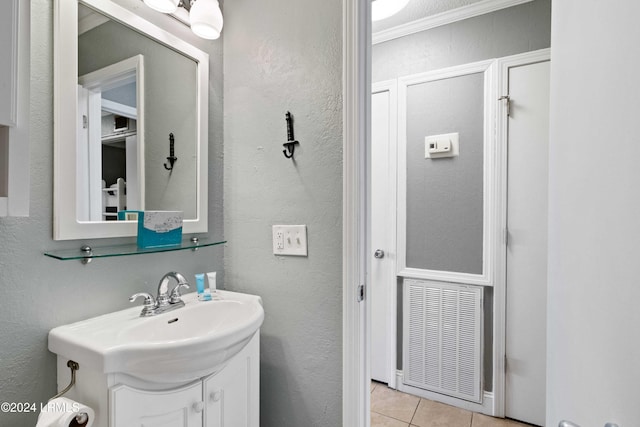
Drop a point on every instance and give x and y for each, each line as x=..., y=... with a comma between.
x=434, y=73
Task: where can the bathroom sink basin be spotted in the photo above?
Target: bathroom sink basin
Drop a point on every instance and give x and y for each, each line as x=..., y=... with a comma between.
x=177, y=346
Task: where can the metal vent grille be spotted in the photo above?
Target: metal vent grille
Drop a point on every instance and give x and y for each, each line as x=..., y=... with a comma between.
x=443, y=338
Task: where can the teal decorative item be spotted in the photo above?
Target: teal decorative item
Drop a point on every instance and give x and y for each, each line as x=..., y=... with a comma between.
x=159, y=228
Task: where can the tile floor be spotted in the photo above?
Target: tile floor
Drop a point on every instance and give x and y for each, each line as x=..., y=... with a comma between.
x=391, y=408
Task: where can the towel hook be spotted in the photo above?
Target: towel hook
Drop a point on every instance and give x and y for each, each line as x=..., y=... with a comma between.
x=290, y=145
x=172, y=158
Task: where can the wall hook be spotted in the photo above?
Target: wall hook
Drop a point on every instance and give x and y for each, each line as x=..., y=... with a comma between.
x=172, y=158
x=290, y=145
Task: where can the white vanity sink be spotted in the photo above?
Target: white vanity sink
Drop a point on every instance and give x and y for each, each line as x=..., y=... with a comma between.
x=177, y=346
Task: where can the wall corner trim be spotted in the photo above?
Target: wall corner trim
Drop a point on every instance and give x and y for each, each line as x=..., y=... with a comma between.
x=444, y=18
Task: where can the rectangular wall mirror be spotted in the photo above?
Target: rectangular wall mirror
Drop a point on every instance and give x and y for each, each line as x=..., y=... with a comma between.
x=131, y=133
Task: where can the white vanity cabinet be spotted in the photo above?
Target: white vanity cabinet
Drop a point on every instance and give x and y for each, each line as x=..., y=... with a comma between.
x=181, y=407
x=232, y=395
x=229, y=397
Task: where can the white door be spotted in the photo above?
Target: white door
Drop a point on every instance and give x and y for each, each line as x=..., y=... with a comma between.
x=382, y=222
x=526, y=286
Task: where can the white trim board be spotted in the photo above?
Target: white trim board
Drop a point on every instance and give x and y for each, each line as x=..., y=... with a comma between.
x=488, y=229
x=444, y=18
x=356, y=90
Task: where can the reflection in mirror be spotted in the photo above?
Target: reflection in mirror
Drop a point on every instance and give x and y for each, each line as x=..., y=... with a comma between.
x=122, y=86
x=104, y=46
x=110, y=145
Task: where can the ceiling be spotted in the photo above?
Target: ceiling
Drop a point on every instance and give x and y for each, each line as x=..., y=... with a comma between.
x=417, y=9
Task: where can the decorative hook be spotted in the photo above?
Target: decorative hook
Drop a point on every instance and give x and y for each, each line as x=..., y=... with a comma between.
x=172, y=158
x=290, y=145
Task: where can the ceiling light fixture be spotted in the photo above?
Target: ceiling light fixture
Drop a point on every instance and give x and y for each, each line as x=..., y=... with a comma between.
x=205, y=16
x=381, y=9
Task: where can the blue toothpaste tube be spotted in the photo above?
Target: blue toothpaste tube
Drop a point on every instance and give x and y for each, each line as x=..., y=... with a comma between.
x=202, y=294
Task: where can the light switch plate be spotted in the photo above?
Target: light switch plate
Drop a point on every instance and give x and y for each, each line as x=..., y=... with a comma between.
x=290, y=240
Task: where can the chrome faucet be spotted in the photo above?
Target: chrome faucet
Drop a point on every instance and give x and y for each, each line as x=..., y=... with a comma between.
x=165, y=301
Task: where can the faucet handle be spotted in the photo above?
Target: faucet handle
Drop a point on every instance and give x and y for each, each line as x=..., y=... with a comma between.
x=149, y=303
x=175, y=293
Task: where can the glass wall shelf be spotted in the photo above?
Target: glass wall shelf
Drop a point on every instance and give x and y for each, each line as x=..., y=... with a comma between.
x=86, y=253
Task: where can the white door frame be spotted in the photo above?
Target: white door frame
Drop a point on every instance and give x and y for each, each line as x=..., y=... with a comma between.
x=490, y=194
x=356, y=78
x=499, y=289
x=356, y=106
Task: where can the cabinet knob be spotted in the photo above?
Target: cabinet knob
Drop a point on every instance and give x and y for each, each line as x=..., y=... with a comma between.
x=216, y=395
x=198, y=406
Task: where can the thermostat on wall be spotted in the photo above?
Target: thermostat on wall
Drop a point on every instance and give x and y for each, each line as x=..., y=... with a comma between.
x=445, y=145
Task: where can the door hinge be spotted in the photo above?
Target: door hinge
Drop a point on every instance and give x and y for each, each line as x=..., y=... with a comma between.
x=360, y=293
x=505, y=236
x=85, y=121
x=508, y=99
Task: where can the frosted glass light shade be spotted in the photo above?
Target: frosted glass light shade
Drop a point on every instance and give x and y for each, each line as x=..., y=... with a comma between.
x=206, y=19
x=381, y=9
x=164, y=6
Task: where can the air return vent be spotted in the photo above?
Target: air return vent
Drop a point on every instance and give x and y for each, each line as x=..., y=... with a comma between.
x=443, y=338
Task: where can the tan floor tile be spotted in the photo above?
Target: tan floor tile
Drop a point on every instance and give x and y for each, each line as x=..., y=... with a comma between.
x=374, y=384
x=435, y=414
x=379, y=420
x=480, y=420
x=393, y=404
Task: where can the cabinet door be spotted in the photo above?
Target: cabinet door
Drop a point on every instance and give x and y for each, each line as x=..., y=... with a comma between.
x=8, y=61
x=232, y=395
x=181, y=407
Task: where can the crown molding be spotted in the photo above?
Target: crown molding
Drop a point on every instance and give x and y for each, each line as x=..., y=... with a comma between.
x=444, y=18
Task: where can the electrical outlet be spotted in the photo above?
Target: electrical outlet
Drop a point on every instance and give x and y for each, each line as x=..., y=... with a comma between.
x=290, y=240
x=279, y=240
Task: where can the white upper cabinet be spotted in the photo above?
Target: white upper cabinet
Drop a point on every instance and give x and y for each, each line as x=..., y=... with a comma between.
x=8, y=61
x=14, y=107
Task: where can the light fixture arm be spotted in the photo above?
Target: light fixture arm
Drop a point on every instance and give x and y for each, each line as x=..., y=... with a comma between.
x=186, y=4
x=204, y=16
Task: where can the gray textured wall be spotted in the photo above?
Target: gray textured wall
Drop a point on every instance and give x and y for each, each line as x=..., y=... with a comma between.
x=506, y=32
x=39, y=293
x=170, y=107
x=444, y=206
x=286, y=55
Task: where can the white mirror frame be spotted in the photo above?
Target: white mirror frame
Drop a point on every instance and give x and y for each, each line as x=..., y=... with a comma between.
x=65, y=223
